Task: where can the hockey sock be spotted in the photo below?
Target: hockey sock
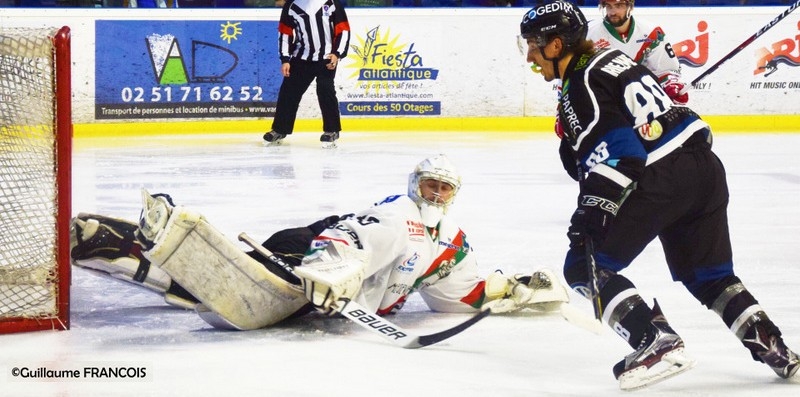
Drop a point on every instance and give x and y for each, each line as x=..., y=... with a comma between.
x=738, y=309
x=624, y=310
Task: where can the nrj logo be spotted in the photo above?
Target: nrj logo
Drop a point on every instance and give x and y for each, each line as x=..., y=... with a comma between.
x=210, y=63
x=786, y=51
x=382, y=58
x=694, y=52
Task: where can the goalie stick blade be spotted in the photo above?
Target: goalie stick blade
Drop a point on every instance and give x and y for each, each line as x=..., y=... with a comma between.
x=395, y=334
x=580, y=319
x=671, y=364
x=427, y=340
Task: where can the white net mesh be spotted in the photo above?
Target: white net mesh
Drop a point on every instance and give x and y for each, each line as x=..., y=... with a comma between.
x=28, y=201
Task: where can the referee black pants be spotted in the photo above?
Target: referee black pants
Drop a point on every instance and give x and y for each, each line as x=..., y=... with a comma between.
x=301, y=74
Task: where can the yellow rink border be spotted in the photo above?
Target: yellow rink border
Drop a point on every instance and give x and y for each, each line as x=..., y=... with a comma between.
x=527, y=125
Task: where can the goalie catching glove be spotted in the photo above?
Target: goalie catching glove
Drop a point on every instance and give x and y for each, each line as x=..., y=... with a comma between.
x=542, y=291
x=333, y=272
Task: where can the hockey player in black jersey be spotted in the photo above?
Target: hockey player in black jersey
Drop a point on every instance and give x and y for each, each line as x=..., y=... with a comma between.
x=646, y=171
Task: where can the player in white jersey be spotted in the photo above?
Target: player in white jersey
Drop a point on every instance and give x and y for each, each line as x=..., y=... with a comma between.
x=643, y=41
x=376, y=257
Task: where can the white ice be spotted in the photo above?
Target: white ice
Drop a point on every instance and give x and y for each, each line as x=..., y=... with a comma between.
x=515, y=205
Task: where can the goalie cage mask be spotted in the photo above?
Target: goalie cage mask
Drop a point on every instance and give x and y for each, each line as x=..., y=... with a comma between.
x=438, y=168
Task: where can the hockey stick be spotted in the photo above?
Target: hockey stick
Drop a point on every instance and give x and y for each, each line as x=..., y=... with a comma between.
x=371, y=321
x=747, y=42
x=592, y=266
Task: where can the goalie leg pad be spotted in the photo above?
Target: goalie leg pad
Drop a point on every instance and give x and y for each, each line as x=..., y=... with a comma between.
x=241, y=292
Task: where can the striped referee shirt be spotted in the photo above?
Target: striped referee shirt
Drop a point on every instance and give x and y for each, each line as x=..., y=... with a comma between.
x=311, y=29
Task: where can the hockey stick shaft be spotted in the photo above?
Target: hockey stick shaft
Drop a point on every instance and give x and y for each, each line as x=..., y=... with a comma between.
x=592, y=269
x=370, y=321
x=747, y=42
x=591, y=265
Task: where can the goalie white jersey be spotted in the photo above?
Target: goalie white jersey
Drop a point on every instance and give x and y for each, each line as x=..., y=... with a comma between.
x=408, y=257
x=646, y=43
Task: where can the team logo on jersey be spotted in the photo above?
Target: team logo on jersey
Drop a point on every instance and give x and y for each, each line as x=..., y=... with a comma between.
x=408, y=264
x=602, y=43
x=400, y=289
x=651, y=131
x=415, y=229
x=446, y=267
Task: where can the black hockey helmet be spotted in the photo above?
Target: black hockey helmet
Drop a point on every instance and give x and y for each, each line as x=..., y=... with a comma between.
x=554, y=18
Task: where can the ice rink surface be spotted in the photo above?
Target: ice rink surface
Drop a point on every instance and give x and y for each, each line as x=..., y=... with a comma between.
x=515, y=205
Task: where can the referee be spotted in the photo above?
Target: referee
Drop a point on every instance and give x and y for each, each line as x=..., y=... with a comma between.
x=313, y=35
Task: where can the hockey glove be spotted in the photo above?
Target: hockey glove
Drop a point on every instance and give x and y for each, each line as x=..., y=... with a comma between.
x=541, y=291
x=332, y=273
x=592, y=218
x=677, y=91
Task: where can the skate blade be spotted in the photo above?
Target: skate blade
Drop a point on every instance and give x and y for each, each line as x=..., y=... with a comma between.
x=329, y=145
x=273, y=143
x=671, y=364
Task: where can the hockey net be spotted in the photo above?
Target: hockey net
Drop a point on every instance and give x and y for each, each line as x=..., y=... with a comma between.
x=35, y=172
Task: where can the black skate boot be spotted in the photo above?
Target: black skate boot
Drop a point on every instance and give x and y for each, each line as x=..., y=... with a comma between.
x=766, y=345
x=101, y=236
x=658, y=357
x=273, y=138
x=329, y=139
x=109, y=247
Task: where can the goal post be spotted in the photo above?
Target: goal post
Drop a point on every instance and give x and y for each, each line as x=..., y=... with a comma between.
x=35, y=178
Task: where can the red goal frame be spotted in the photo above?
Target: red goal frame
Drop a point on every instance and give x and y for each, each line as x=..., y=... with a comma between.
x=63, y=156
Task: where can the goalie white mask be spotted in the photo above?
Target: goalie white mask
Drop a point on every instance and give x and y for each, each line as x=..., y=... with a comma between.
x=433, y=187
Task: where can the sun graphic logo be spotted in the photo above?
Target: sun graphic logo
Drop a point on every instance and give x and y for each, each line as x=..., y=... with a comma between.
x=383, y=58
x=230, y=31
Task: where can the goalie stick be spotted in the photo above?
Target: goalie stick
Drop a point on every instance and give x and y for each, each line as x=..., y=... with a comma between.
x=371, y=321
x=747, y=42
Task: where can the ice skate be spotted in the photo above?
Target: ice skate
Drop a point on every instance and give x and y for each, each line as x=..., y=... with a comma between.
x=659, y=356
x=329, y=139
x=770, y=349
x=100, y=236
x=109, y=247
x=273, y=138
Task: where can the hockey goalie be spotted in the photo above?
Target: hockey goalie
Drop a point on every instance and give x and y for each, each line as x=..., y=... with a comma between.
x=376, y=257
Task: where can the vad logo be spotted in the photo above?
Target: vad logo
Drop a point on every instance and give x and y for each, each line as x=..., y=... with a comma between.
x=785, y=51
x=694, y=52
x=170, y=66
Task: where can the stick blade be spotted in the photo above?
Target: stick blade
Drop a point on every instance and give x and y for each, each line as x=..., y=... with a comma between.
x=427, y=340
